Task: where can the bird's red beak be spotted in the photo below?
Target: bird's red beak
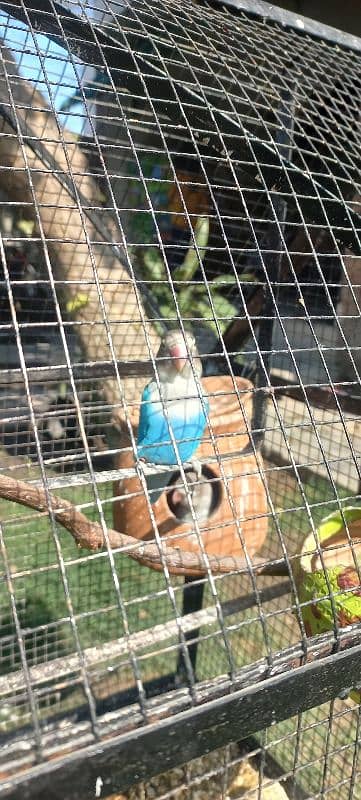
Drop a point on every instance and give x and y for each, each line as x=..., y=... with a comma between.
x=179, y=356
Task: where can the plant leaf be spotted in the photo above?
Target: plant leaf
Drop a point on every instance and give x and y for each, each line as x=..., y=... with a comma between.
x=26, y=226
x=231, y=279
x=334, y=522
x=191, y=262
x=154, y=264
x=76, y=303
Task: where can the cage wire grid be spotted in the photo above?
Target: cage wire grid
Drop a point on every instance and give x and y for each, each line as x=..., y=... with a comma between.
x=192, y=168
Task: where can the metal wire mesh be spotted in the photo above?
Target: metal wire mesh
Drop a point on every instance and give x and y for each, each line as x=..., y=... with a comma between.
x=197, y=168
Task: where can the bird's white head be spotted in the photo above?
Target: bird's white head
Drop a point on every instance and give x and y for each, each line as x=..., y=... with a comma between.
x=178, y=355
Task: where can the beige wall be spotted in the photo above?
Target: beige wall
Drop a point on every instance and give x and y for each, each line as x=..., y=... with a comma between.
x=345, y=15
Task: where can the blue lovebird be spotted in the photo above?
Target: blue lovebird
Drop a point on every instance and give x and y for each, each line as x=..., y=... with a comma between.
x=179, y=395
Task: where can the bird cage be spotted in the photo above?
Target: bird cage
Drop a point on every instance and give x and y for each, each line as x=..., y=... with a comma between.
x=179, y=190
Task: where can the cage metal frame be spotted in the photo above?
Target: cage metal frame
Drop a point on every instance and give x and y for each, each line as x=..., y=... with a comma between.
x=297, y=680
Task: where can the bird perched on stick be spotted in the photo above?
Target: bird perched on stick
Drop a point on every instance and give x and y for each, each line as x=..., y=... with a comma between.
x=175, y=406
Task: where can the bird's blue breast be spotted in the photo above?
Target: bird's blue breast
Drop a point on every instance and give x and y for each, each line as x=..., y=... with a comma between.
x=154, y=437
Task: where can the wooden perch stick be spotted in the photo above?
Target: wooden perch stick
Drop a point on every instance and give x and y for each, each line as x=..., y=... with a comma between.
x=90, y=535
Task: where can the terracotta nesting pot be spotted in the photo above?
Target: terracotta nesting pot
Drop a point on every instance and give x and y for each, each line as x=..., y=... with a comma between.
x=242, y=488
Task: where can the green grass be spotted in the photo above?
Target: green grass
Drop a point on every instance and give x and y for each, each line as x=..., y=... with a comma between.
x=320, y=745
x=41, y=597
x=45, y=616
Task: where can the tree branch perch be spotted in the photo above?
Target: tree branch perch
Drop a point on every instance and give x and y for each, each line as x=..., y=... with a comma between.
x=90, y=535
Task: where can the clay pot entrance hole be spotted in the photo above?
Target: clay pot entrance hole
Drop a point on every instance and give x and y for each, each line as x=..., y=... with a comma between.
x=206, y=494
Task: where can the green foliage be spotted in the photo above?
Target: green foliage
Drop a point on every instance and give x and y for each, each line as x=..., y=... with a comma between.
x=76, y=303
x=315, y=592
x=334, y=522
x=193, y=299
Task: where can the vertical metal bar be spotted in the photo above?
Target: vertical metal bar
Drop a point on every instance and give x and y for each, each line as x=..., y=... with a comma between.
x=273, y=259
x=192, y=601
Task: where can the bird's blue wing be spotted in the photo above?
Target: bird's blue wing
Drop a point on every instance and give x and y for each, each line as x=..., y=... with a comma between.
x=154, y=441
x=144, y=415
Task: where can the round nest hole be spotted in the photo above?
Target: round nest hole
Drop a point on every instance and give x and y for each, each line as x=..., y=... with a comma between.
x=201, y=497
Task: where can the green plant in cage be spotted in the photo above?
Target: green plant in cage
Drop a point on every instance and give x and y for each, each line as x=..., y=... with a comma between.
x=192, y=297
x=329, y=587
x=315, y=592
x=195, y=301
